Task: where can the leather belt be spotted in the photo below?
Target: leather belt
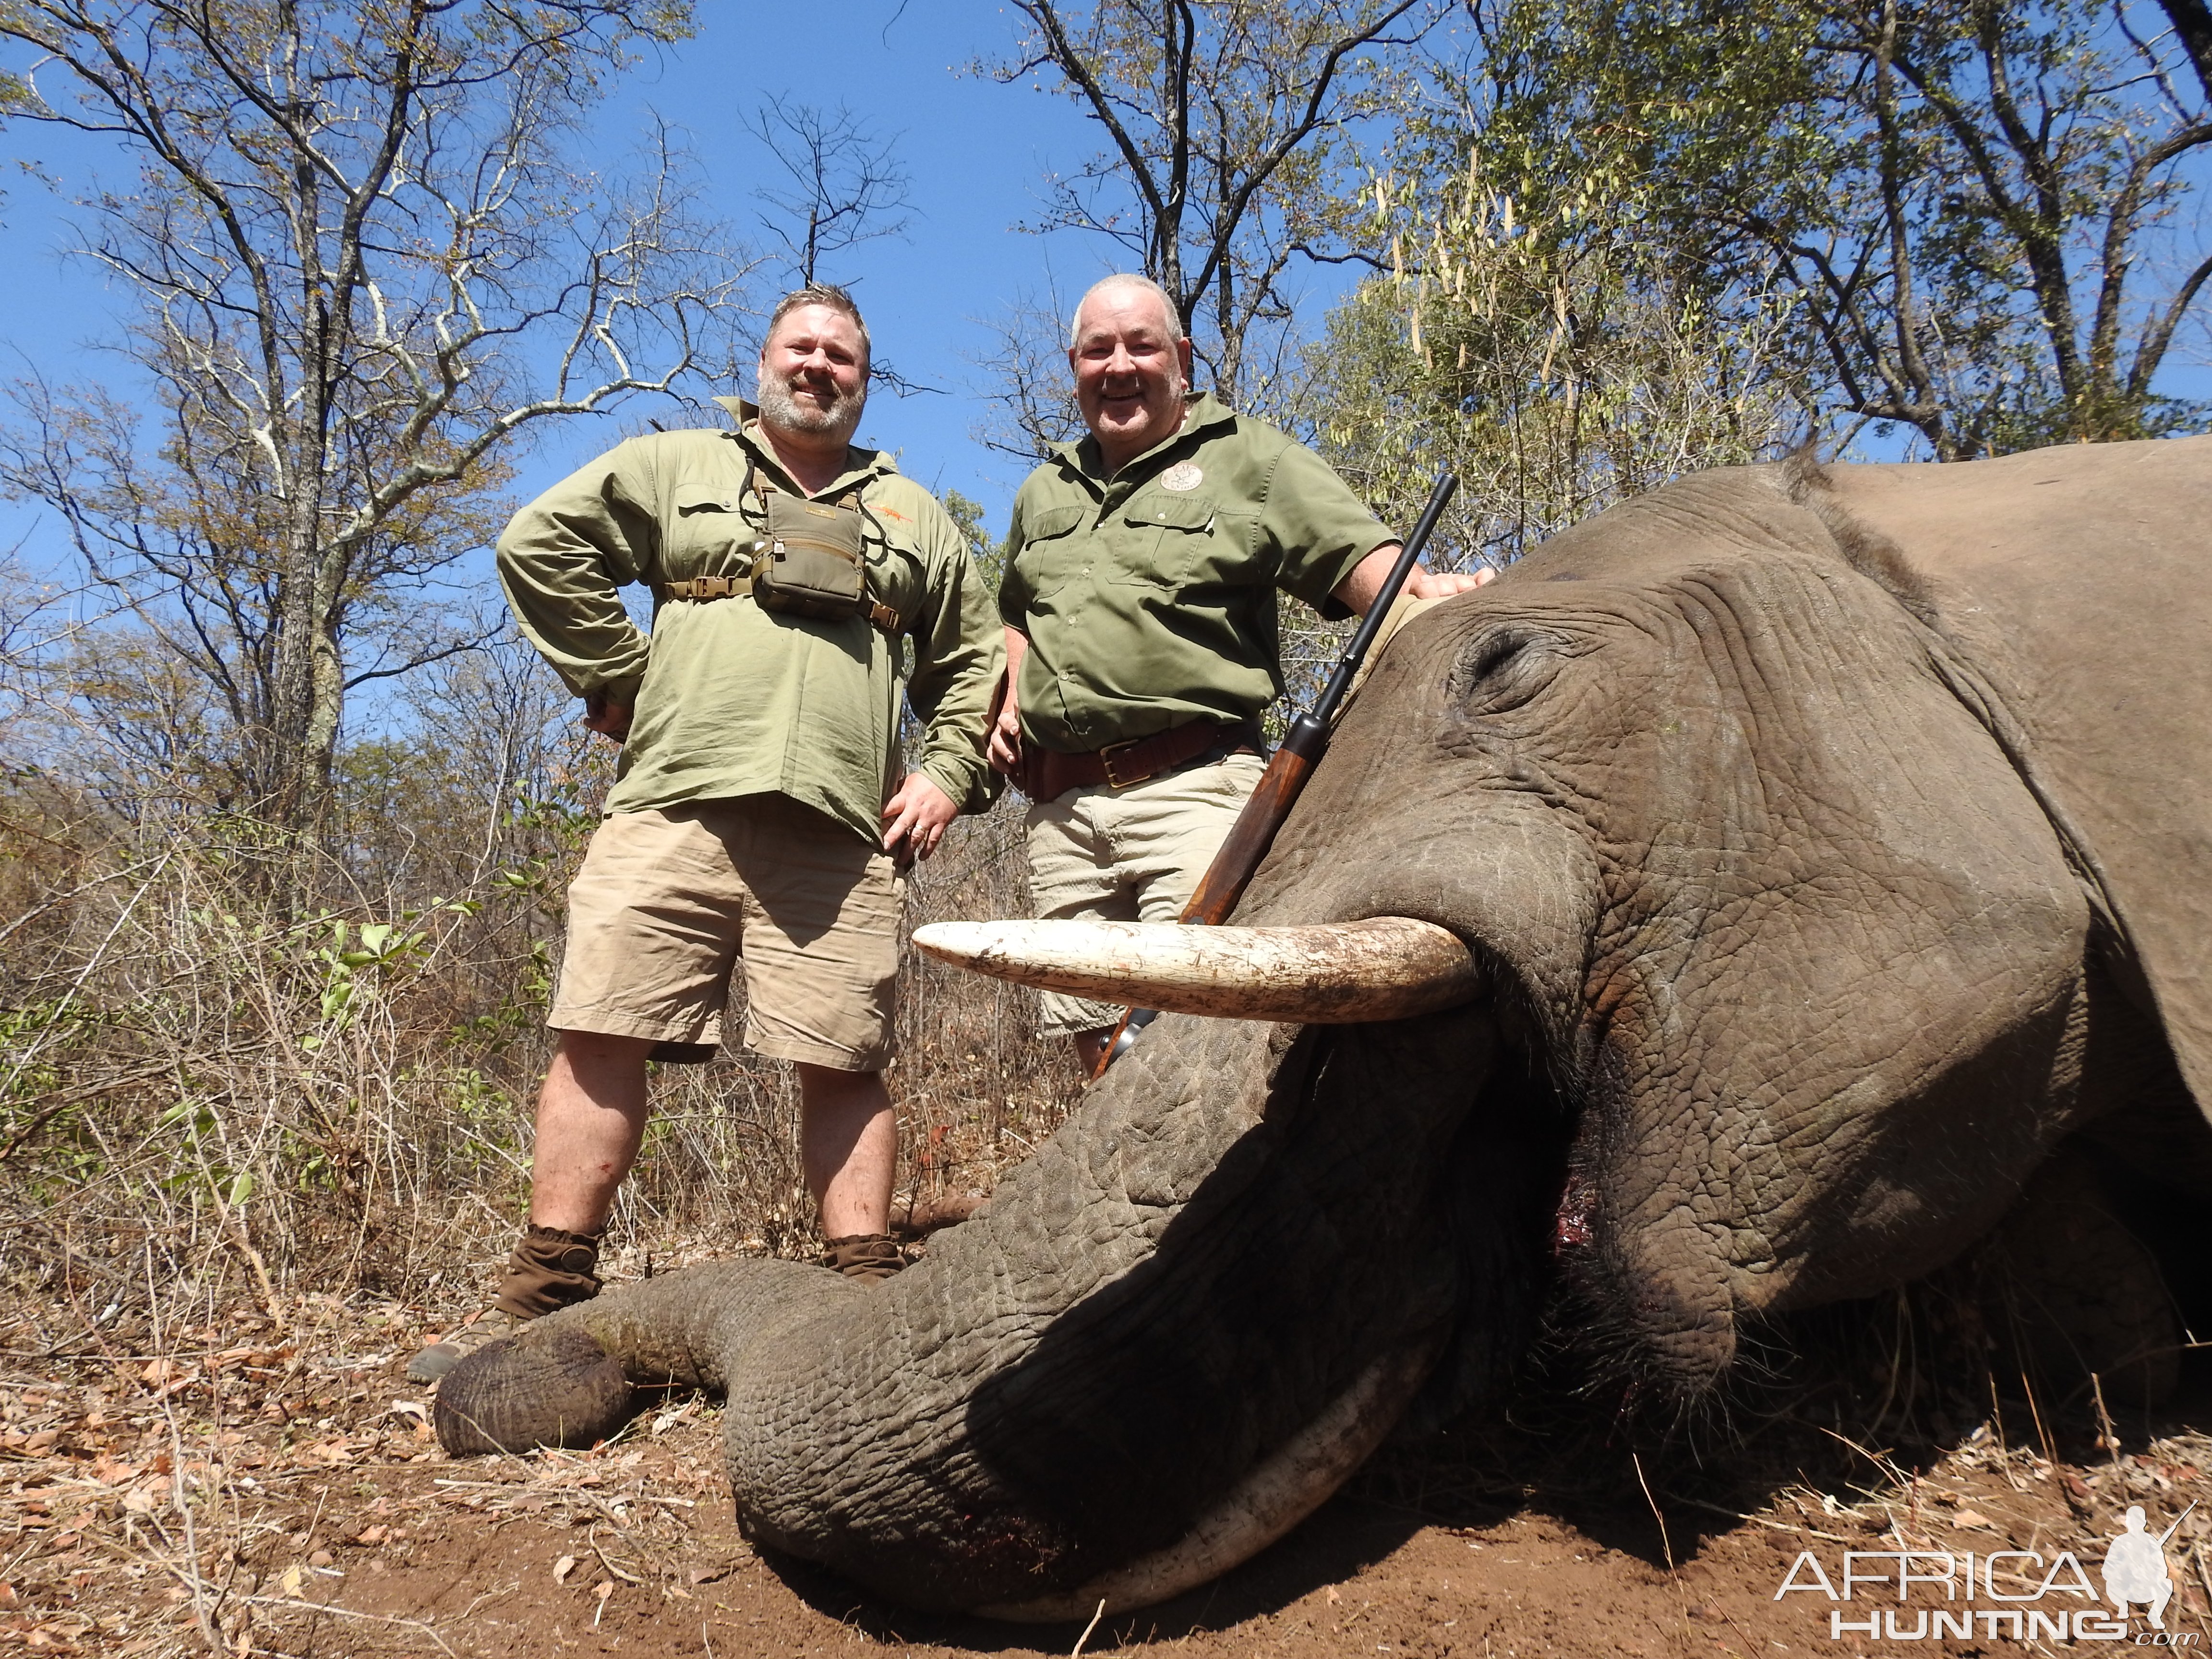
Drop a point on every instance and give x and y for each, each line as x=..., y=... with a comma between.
x=1046, y=774
x=702, y=588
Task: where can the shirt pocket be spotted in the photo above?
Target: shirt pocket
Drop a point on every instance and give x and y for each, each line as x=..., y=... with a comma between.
x=707, y=533
x=1048, y=562
x=1174, y=541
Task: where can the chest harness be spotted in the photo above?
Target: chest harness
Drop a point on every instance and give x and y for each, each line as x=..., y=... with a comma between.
x=808, y=560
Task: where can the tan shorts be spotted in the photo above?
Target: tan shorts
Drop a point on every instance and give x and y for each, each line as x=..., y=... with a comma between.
x=1130, y=854
x=667, y=904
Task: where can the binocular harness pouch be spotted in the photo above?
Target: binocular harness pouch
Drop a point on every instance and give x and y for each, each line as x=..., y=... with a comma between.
x=810, y=564
x=810, y=560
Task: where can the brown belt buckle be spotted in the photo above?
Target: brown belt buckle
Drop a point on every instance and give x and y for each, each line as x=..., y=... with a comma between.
x=1106, y=762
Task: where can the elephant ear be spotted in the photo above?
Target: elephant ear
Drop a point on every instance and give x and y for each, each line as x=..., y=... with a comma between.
x=2073, y=589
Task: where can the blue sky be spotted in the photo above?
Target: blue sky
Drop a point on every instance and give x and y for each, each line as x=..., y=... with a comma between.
x=976, y=151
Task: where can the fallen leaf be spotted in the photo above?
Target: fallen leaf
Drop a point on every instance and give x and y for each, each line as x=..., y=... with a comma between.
x=563, y=1568
x=372, y=1536
x=1333, y=1598
x=290, y=1583
x=1973, y=1518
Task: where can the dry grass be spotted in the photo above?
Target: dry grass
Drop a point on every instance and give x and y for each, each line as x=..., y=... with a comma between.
x=200, y=1091
x=252, y=1152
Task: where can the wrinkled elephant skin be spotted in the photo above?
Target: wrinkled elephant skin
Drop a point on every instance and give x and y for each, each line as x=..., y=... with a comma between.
x=1837, y=845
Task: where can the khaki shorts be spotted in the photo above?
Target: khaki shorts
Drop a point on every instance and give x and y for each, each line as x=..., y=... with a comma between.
x=667, y=904
x=1130, y=854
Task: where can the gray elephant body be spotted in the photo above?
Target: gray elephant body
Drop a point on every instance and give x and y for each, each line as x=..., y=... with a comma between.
x=1839, y=846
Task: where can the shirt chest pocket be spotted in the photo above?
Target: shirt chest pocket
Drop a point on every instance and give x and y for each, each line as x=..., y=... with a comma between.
x=1176, y=542
x=708, y=534
x=1050, y=555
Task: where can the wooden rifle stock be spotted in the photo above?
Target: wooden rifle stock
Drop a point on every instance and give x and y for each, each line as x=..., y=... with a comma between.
x=1288, y=768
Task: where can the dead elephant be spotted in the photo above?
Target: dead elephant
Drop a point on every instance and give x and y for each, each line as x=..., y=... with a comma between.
x=1816, y=857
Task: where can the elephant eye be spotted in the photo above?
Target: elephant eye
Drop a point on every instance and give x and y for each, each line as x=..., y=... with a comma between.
x=1504, y=668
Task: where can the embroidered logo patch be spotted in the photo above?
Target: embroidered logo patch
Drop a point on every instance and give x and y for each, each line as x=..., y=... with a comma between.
x=1183, y=475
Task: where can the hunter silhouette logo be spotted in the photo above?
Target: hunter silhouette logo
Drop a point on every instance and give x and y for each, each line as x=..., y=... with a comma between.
x=2003, y=1593
x=2135, y=1567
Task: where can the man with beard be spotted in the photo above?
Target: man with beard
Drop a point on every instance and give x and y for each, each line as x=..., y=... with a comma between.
x=758, y=815
x=1139, y=603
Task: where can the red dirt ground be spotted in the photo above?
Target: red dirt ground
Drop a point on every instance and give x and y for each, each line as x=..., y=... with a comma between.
x=275, y=1491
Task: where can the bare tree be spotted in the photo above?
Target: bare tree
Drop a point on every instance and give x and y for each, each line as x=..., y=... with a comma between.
x=1030, y=396
x=845, y=186
x=365, y=269
x=1225, y=123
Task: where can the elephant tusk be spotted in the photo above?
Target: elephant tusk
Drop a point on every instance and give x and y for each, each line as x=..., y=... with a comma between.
x=1340, y=973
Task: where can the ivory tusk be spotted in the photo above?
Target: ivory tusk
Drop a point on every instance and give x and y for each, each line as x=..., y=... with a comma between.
x=1334, y=973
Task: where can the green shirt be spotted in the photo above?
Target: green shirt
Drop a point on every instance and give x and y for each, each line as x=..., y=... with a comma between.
x=1149, y=599
x=735, y=700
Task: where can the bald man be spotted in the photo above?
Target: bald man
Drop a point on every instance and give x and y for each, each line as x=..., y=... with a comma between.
x=1138, y=601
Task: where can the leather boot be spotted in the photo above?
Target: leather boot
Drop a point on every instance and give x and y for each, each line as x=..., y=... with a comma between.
x=868, y=1257
x=550, y=1268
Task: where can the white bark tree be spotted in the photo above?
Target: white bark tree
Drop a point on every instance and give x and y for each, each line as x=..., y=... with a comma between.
x=366, y=266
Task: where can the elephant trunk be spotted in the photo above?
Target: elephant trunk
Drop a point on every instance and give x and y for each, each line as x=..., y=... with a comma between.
x=1168, y=1336
x=566, y=1379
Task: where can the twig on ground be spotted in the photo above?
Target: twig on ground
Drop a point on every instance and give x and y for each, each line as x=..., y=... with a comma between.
x=1097, y=1613
x=295, y=1604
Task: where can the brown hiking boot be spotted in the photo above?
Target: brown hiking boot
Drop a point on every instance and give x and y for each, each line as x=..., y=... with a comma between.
x=488, y=1325
x=550, y=1268
x=868, y=1257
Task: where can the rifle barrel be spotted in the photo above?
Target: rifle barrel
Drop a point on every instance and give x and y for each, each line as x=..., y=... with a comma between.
x=2178, y=1519
x=1347, y=667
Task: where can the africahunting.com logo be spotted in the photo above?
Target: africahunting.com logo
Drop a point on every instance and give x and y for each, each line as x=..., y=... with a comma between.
x=1999, y=1594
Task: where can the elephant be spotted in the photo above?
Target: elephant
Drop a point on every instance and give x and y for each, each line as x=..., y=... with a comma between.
x=1732, y=910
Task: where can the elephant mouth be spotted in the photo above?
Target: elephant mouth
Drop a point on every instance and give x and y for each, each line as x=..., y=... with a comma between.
x=1347, y=973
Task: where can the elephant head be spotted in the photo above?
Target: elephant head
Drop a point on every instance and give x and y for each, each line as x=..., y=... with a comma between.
x=1812, y=854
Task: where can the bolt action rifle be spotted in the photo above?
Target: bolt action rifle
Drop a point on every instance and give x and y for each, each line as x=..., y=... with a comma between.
x=1288, y=768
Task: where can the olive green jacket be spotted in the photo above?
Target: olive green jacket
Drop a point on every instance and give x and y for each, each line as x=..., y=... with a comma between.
x=1149, y=597
x=732, y=700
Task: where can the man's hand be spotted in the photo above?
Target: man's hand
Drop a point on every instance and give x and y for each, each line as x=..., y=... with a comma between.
x=605, y=716
x=1357, y=592
x=1422, y=583
x=1004, y=750
x=915, y=818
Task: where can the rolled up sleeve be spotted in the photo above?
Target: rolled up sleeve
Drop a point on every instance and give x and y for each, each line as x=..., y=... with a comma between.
x=1319, y=529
